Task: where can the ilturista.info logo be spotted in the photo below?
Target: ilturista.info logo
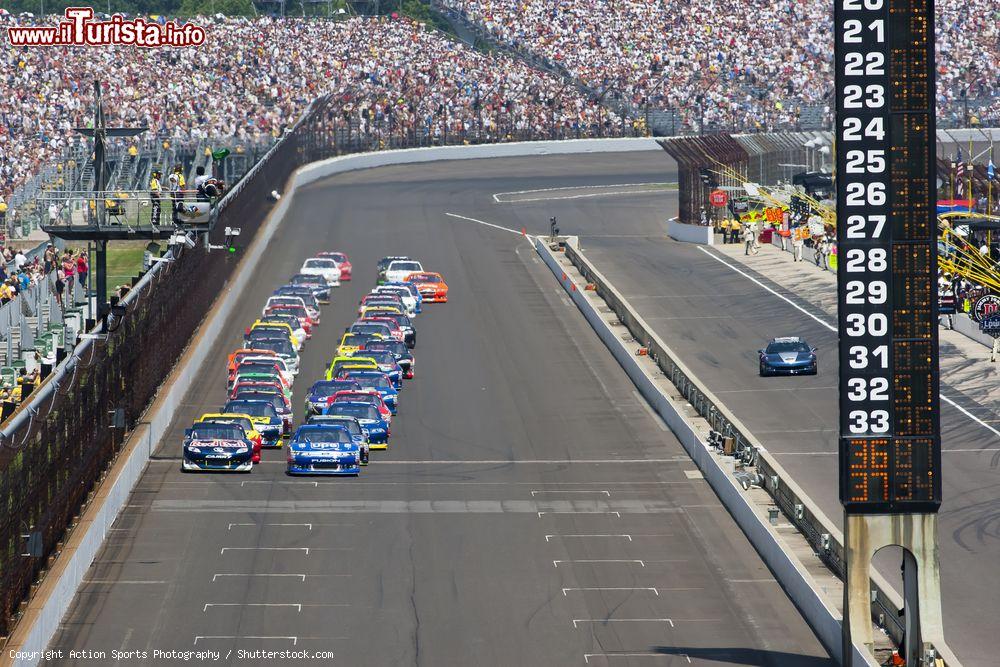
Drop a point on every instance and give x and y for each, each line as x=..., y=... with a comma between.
x=79, y=28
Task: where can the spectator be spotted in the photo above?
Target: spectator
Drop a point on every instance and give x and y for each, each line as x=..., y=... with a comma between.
x=19, y=260
x=82, y=268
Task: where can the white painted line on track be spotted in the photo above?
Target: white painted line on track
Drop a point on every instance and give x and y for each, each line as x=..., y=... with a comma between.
x=125, y=581
x=633, y=561
x=622, y=620
x=278, y=482
x=540, y=514
x=548, y=538
x=302, y=577
x=829, y=326
x=537, y=491
x=225, y=549
x=307, y=525
x=497, y=195
x=297, y=606
x=487, y=224
x=616, y=193
x=588, y=656
x=294, y=640
x=602, y=588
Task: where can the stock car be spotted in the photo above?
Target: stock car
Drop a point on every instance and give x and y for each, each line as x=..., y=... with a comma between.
x=251, y=364
x=318, y=394
x=404, y=323
x=399, y=269
x=387, y=364
x=431, y=286
x=264, y=416
x=399, y=350
x=282, y=347
x=261, y=329
x=401, y=291
x=323, y=449
x=275, y=398
x=264, y=359
x=314, y=283
x=323, y=267
x=341, y=365
x=293, y=300
x=394, y=331
x=303, y=292
x=352, y=342
x=380, y=328
x=391, y=300
x=296, y=314
x=264, y=383
x=346, y=268
x=383, y=264
x=789, y=355
x=243, y=421
x=378, y=381
x=221, y=447
x=369, y=396
x=374, y=427
x=302, y=331
x=270, y=376
x=352, y=425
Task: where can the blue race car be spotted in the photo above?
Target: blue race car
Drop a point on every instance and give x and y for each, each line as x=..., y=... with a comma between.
x=264, y=416
x=373, y=426
x=322, y=390
x=788, y=356
x=219, y=447
x=380, y=382
x=323, y=449
x=351, y=424
x=316, y=284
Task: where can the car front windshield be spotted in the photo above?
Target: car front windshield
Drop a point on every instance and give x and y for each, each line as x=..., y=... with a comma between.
x=396, y=347
x=785, y=348
x=252, y=408
x=242, y=422
x=306, y=279
x=355, y=410
x=405, y=266
x=329, y=435
x=279, y=345
x=325, y=390
x=371, y=329
x=373, y=382
x=217, y=432
x=320, y=264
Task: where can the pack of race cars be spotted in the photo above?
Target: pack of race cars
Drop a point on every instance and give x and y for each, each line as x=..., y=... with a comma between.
x=349, y=412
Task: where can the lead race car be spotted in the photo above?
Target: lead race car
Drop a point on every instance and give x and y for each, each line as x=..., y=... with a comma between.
x=324, y=449
x=216, y=447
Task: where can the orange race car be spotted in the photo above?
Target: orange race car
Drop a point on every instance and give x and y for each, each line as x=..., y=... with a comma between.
x=236, y=357
x=431, y=286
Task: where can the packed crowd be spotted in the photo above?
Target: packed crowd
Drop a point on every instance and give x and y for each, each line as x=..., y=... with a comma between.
x=18, y=273
x=743, y=64
x=253, y=77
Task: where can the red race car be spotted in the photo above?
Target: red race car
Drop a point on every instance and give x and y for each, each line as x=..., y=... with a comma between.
x=362, y=396
x=341, y=259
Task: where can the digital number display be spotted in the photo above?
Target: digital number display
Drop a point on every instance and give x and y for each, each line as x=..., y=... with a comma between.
x=890, y=437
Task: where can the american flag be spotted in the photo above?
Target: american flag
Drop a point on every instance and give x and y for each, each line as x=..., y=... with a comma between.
x=961, y=165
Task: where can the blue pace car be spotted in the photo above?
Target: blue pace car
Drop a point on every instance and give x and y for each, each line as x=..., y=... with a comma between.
x=214, y=446
x=373, y=426
x=788, y=356
x=324, y=389
x=381, y=383
x=323, y=449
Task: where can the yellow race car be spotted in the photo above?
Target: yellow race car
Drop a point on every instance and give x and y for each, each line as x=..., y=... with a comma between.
x=352, y=342
x=341, y=364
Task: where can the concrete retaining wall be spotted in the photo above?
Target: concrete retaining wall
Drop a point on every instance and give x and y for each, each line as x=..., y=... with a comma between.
x=701, y=234
x=60, y=586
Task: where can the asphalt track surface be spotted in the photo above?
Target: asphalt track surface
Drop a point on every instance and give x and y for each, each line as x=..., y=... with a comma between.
x=531, y=510
x=716, y=319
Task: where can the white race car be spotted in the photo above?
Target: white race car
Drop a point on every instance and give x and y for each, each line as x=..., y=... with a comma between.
x=327, y=268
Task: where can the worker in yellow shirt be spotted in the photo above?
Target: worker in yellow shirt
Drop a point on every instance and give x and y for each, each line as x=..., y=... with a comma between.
x=155, y=193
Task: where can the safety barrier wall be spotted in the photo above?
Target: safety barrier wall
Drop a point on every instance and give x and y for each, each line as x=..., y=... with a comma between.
x=821, y=533
x=166, y=332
